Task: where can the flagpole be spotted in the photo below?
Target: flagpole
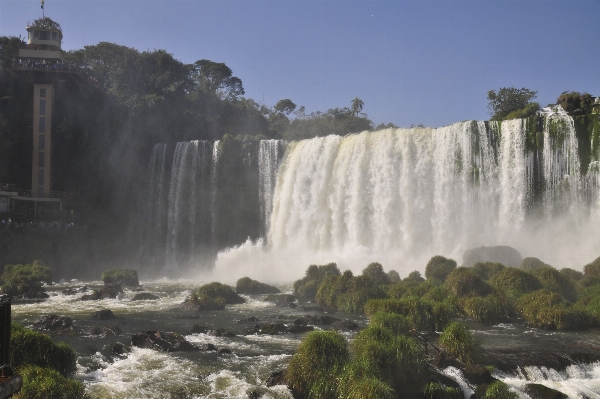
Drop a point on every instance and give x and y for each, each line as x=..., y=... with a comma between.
x=43, y=11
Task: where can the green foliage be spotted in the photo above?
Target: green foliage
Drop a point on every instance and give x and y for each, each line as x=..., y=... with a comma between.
x=435, y=390
x=46, y=23
x=348, y=293
x=463, y=281
x=396, y=323
x=246, y=285
x=9, y=49
x=508, y=99
x=314, y=370
x=458, y=341
x=514, y=281
x=121, y=276
x=340, y=121
x=285, y=106
x=47, y=383
x=28, y=347
x=591, y=273
x=499, y=390
x=572, y=101
x=487, y=269
x=375, y=272
x=360, y=387
x=414, y=276
x=489, y=309
x=439, y=268
x=571, y=274
x=357, y=106
x=549, y=310
x=423, y=315
x=525, y=112
x=21, y=279
x=590, y=301
x=554, y=281
x=531, y=263
x=306, y=288
x=220, y=293
x=393, y=276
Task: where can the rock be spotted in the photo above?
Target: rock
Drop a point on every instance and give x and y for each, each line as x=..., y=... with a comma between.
x=56, y=324
x=539, y=391
x=104, y=314
x=506, y=255
x=224, y=351
x=106, y=292
x=187, y=316
x=276, y=298
x=321, y=320
x=196, y=329
x=119, y=349
x=250, y=319
x=207, y=348
x=104, y=331
x=33, y=293
x=247, y=286
x=478, y=375
x=276, y=378
x=144, y=296
x=69, y=291
x=256, y=392
x=279, y=328
x=312, y=308
x=345, y=325
x=295, y=329
x=286, y=305
x=162, y=341
x=221, y=332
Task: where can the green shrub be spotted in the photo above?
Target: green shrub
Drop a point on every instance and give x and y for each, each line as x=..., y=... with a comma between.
x=315, y=368
x=463, y=281
x=47, y=383
x=375, y=272
x=361, y=387
x=439, y=293
x=393, y=276
x=33, y=348
x=458, y=341
x=220, y=293
x=531, y=263
x=571, y=274
x=394, y=322
x=435, y=390
x=529, y=110
x=415, y=277
x=549, y=310
x=489, y=309
x=121, y=277
x=486, y=270
x=513, y=281
x=247, y=286
x=24, y=279
x=306, y=288
x=396, y=360
x=423, y=315
x=439, y=268
x=591, y=273
x=590, y=301
x=554, y=281
x=348, y=293
x=499, y=390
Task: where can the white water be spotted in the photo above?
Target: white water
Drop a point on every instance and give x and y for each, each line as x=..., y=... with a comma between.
x=400, y=196
x=268, y=166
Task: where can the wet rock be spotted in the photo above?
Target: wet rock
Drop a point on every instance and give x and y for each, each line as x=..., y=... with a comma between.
x=478, y=374
x=276, y=378
x=506, y=255
x=250, y=319
x=300, y=322
x=144, y=296
x=277, y=298
x=196, y=329
x=162, y=341
x=104, y=314
x=69, y=291
x=119, y=349
x=247, y=286
x=256, y=392
x=56, y=324
x=187, y=316
x=224, y=351
x=106, y=292
x=104, y=331
x=539, y=391
x=279, y=328
x=345, y=325
x=295, y=329
x=207, y=348
x=32, y=293
x=321, y=320
x=286, y=305
x=221, y=332
x=312, y=308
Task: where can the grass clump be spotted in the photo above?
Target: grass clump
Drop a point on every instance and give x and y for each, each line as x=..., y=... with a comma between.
x=463, y=281
x=47, y=383
x=554, y=281
x=439, y=267
x=306, y=288
x=348, y=293
x=25, y=279
x=591, y=273
x=375, y=272
x=458, y=341
x=571, y=274
x=489, y=309
x=396, y=323
x=435, y=390
x=549, y=310
x=498, y=390
x=514, y=281
x=314, y=370
x=118, y=276
x=220, y=291
x=247, y=286
x=487, y=269
x=423, y=315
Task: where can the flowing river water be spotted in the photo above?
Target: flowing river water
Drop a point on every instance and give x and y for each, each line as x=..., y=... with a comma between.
x=565, y=361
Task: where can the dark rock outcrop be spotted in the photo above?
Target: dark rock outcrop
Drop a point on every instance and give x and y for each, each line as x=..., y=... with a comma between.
x=104, y=314
x=104, y=331
x=345, y=325
x=539, y=391
x=276, y=378
x=162, y=341
x=320, y=320
x=56, y=324
x=279, y=328
x=215, y=332
x=247, y=286
x=106, y=292
x=144, y=296
x=506, y=255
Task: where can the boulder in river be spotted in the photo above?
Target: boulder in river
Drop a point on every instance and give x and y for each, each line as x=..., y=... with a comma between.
x=162, y=341
x=56, y=324
x=104, y=314
x=345, y=325
x=247, y=286
x=539, y=391
x=144, y=296
x=506, y=255
x=106, y=292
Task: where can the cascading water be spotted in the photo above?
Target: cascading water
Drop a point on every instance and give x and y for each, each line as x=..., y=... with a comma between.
x=400, y=196
x=269, y=155
x=156, y=200
x=213, y=189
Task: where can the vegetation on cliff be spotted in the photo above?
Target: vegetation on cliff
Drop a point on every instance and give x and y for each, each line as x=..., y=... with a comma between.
x=25, y=280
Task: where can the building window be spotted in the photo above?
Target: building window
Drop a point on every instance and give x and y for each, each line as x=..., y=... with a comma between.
x=41, y=177
x=44, y=35
x=36, y=34
x=41, y=159
x=42, y=142
x=42, y=124
x=42, y=107
x=40, y=194
x=42, y=92
x=54, y=36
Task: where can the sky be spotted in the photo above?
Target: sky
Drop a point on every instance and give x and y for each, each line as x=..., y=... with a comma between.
x=411, y=62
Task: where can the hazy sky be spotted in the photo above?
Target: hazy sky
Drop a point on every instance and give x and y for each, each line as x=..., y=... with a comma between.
x=411, y=62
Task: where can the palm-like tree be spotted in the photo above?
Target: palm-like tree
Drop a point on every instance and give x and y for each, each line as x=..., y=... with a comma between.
x=357, y=106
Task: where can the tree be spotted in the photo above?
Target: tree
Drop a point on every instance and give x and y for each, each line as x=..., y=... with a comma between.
x=507, y=100
x=357, y=106
x=216, y=78
x=285, y=106
x=9, y=49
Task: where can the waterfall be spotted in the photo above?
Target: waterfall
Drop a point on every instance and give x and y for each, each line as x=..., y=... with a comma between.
x=268, y=164
x=156, y=200
x=213, y=190
x=400, y=196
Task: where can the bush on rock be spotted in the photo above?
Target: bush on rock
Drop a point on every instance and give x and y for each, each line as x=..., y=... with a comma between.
x=116, y=276
x=247, y=286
